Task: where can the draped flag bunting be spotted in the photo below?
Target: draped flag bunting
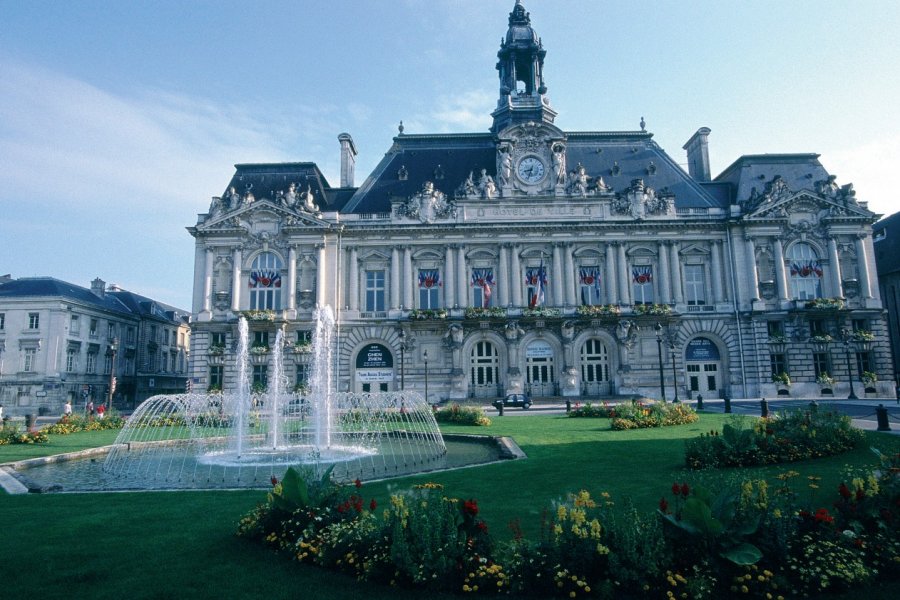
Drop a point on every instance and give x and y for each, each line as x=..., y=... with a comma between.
x=808, y=268
x=590, y=276
x=484, y=278
x=537, y=280
x=642, y=275
x=265, y=278
x=429, y=279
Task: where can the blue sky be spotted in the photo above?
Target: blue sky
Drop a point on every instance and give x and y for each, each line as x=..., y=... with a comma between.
x=119, y=120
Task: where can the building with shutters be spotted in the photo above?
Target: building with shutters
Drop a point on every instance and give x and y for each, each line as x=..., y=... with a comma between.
x=528, y=258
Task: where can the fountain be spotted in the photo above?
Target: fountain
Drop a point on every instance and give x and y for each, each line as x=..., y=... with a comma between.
x=242, y=438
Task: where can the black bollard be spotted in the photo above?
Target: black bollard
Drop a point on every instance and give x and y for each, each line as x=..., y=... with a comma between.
x=727, y=403
x=813, y=406
x=29, y=422
x=699, y=402
x=500, y=408
x=568, y=406
x=763, y=408
x=882, y=416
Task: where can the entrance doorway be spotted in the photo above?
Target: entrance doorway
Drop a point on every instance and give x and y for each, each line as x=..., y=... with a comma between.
x=484, y=369
x=595, y=368
x=540, y=370
x=703, y=367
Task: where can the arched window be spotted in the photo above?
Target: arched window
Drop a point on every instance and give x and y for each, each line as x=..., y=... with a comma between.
x=265, y=282
x=806, y=272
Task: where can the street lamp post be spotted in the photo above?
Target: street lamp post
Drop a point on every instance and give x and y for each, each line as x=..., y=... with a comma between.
x=113, y=347
x=425, y=359
x=674, y=373
x=402, y=356
x=662, y=381
x=845, y=335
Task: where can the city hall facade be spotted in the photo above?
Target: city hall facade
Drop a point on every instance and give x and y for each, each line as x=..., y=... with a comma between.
x=576, y=264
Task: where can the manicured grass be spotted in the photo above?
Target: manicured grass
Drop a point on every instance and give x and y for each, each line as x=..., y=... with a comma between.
x=58, y=444
x=182, y=544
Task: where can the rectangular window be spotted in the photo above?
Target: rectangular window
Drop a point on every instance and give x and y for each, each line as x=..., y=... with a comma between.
x=129, y=335
x=181, y=338
x=71, y=361
x=165, y=337
x=820, y=363
x=776, y=328
x=91, y=363
x=92, y=332
x=151, y=362
x=129, y=364
x=30, y=355
x=302, y=376
x=860, y=325
x=260, y=339
x=589, y=285
x=374, y=291
x=429, y=289
x=172, y=356
x=107, y=364
x=779, y=364
x=110, y=330
x=863, y=363
x=34, y=320
x=817, y=327
x=217, y=338
x=2, y=321
x=153, y=333
x=482, y=287
x=216, y=378
x=304, y=336
x=260, y=376
x=695, y=284
x=74, y=325
x=642, y=284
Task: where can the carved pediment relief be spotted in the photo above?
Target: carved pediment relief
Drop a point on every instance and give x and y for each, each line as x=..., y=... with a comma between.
x=427, y=206
x=263, y=215
x=640, y=201
x=825, y=200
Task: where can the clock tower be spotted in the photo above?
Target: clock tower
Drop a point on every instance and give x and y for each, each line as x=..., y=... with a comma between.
x=523, y=92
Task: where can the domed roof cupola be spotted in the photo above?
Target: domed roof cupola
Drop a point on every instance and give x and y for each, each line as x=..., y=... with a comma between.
x=520, y=65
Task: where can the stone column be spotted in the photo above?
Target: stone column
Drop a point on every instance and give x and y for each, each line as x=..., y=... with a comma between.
x=321, y=274
x=516, y=277
x=610, y=276
x=862, y=264
x=503, y=276
x=449, y=278
x=409, y=282
x=665, y=289
x=752, y=273
x=395, y=279
x=292, y=279
x=236, y=280
x=675, y=267
x=780, y=275
x=571, y=278
x=353, y=300
x=718, y=276
x=624, y=275
x=837, y=286
x=462, y=282
x=207, y=280
x=556, y=275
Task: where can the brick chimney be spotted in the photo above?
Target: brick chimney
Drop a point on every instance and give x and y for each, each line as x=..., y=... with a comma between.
x=698, y=154
x=348, y=159
x=98, y=287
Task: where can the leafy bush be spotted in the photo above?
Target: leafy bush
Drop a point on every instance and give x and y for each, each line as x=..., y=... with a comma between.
x=637, y=415
x=74, y=423
x=590, y=411
x=462, y=415
x=787, y=437
x=10, y=434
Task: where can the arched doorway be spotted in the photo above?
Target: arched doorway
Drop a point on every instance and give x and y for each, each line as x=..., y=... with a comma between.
x=703, y=366
x=595, y=368
x=484, y=369
x=374, y=369
x=540, y=369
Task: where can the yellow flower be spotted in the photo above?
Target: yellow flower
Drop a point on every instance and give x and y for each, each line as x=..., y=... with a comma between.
x=561, y=513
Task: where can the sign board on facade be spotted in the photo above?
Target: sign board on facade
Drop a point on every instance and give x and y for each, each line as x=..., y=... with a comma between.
x=539, y=349
x=701, y=349
x=374, y=375
x=374, y=356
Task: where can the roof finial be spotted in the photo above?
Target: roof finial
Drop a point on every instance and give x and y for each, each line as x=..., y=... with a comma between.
x=643, y=124
x=400, y=127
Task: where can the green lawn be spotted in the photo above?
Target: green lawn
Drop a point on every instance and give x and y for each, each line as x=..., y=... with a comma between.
x=182, y=544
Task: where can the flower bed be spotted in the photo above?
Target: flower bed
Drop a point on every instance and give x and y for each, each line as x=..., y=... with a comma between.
x=638, y=415
x=462, y=415
x=10, y=434
x=787, y=437
x=711, y=537
x=74, y=423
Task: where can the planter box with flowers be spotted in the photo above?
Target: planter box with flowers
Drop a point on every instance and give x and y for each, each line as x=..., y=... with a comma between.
x=259, y=315
x=652, y=309
x=302, y=347
x=826, y=383
x=869, y=380
x=782, y=381
x=598, y=310
x=259, y=350
x=541, y=312
x=216, y=350
x=426, y=314
x=820, y=342
x=825, y=304
x=495, y=312
x=862, y=335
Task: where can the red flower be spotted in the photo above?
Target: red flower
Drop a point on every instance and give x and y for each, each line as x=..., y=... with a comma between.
x=373, y=504
x=357, y=483
x=844, y=491
x=274, y=481
x=482, y=526
x=663, y=505
x=676, y=489
x=685, y=489
x=470, y=507
x=822, y=516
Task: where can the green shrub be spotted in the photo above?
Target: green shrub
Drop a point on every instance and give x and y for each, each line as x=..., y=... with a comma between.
x=637, y=415
x=10, y=434
x=462, y=415
x=74, y=423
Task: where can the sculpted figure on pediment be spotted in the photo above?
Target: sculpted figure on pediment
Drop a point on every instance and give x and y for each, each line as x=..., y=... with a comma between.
x=290, y=196
x=231, y=200
x=486, y=185
x=578, y=181
x=505, y=165
x=559, y=163
x=309, y=204
x=640, y=201
x=215, y=208
x=428, y=205
x=467, y=188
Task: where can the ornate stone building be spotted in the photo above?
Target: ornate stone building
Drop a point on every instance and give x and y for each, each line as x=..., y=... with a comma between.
x=581, y=264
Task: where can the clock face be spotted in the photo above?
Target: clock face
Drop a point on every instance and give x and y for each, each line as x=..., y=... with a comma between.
x=530, y=169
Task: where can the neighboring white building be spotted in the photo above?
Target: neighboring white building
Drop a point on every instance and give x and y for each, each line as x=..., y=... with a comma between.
x=60, y=341
x=581, y=264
